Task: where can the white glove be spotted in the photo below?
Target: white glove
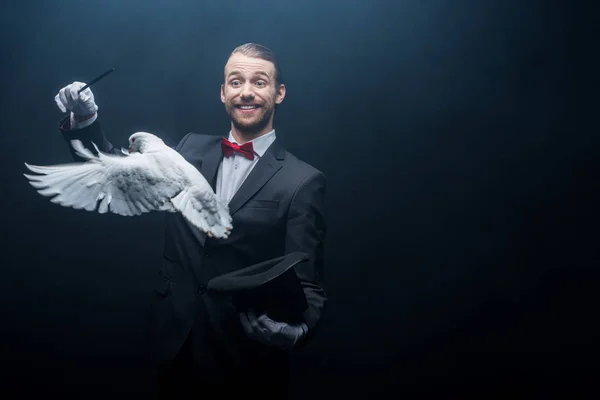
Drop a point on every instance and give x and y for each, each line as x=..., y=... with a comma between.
x=79, y=104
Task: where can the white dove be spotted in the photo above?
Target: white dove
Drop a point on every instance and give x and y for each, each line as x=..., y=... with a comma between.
x=150, y=177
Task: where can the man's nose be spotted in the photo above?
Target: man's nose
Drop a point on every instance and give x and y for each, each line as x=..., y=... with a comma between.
x=246, y=91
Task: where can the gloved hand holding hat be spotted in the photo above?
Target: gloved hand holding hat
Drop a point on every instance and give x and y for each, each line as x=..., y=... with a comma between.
x=269, y=298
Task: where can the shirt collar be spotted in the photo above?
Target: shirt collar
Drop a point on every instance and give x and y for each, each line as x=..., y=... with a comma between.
x=259, y=144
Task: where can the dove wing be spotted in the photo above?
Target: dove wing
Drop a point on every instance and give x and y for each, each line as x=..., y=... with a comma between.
x=128, y=186
x=202, y=208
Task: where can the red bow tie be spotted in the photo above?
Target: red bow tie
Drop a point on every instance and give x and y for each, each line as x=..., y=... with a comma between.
x=247, y=150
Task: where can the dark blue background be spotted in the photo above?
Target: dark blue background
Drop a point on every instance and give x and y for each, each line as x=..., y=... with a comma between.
x=461, y=184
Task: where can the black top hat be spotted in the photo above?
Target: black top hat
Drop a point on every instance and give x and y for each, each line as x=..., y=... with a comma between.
x=271, y=287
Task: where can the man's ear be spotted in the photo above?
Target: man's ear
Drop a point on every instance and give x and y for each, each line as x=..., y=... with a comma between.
x=280, y=95
x=222, y=94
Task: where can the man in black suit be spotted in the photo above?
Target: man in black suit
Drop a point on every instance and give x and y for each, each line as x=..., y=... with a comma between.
x=276, y=202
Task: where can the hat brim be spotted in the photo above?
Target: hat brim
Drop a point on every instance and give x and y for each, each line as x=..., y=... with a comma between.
x=272, y=287
x=256, y=275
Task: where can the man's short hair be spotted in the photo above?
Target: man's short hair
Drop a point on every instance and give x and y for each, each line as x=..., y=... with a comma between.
x=255, y=50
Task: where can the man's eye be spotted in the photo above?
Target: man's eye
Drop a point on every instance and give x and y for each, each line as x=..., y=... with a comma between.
x=235, y=83
x=261, y=83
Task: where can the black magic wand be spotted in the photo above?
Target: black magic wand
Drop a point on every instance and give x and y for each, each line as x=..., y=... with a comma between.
x=104, y=75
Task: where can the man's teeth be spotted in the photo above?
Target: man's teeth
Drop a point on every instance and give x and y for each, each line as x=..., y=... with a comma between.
x=247, y=107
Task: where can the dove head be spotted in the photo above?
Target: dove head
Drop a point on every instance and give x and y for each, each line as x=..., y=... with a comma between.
x=144, y=142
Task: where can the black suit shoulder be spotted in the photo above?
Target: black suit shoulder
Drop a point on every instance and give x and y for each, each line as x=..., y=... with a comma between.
x=301, y=165
x=196, y=141
x=302, y=170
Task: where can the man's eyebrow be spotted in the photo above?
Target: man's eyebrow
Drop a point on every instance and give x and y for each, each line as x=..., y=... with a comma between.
x=236, y=72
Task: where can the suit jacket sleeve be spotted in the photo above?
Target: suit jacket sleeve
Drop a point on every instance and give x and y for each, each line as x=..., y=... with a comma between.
x=93, y=133
x=87, y=135
x=306, y=229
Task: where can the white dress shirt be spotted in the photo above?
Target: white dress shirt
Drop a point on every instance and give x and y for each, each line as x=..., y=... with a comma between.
x=234, y=169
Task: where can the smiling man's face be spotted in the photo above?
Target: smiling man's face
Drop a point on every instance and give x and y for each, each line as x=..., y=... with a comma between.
x=250, y=93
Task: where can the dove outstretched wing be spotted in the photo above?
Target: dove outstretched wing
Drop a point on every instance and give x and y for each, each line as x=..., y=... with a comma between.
x=130, y=185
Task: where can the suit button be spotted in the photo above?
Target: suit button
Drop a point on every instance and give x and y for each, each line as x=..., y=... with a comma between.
x=201, y=288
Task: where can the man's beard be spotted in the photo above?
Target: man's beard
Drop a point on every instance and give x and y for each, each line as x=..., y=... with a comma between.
x=253, y=126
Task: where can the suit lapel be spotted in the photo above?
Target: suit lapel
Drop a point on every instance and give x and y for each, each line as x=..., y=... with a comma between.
x=264, y=170
x=210, y=164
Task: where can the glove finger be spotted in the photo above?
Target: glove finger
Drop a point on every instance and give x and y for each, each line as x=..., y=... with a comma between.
x=87, y=100
x=85, y=94
x=267, y=323
x=245, y=323
x=68, y=97
x=251, y=331
x=72, y=95
x=77, y=85
x=63, y=98
x=59, y=103
x=253, y=320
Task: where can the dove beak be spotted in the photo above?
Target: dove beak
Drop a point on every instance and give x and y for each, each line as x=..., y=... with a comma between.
x=129, y=149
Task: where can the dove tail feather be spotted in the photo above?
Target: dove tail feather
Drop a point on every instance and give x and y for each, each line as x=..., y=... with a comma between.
x=224, y=219
x=223, y=209
x=202, y=218
x=81, y=151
